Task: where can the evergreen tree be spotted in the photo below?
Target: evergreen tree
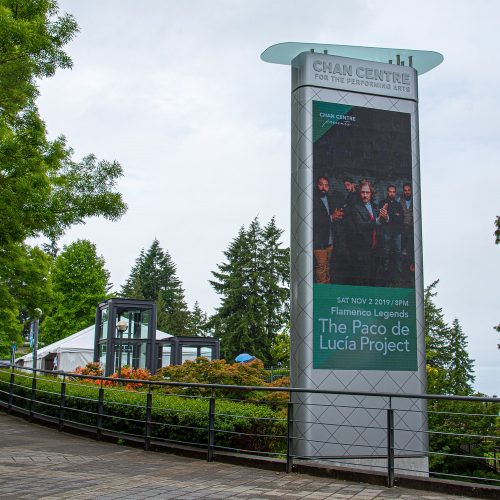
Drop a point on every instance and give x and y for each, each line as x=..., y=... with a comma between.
x=198, y=322
x=436, y=330
x=234, y=321
x=154, y=277
x=275, y=281
x=450, y=369
x=80, y=281
x=133, y=285
x=253, y=285
x=461, y=368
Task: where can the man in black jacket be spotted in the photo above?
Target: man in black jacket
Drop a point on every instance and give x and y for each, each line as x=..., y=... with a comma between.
x=407, y=245
x=392, y=238
x=367, y=219
x=344, y=271
x=326, y=211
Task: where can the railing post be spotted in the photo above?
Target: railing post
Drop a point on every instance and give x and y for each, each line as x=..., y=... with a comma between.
x=33, y=396
x=289, y=439
x=149, y=405
x=211, y=429
x=11, y=389
x=100, y=412
x=62, y=403
x=390, y=448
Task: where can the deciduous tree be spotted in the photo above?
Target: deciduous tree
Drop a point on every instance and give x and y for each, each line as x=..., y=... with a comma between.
x=80, y=281
x=24, y=286
x=43, y=190
x=280, y=350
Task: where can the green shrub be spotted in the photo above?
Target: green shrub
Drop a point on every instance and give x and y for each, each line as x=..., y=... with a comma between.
x=239, y=425
x=215, y=372
x=461, y=429
x=203, y=371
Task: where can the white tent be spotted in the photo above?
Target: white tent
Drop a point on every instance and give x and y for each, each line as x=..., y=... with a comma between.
x=73, y=351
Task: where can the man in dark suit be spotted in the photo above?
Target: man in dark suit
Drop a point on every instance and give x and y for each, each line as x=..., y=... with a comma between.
x=367, y=219
x=350, y=193
x=326, y=211
x=343, y=252
x=392, y=239
x=407, y=245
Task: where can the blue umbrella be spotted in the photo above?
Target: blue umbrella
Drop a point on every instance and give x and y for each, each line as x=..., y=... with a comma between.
x=244, y=358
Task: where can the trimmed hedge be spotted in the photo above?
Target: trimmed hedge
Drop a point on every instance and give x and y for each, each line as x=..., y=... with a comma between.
x=239, y=425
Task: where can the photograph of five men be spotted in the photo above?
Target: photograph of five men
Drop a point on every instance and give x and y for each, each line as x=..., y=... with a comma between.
x=363, y=213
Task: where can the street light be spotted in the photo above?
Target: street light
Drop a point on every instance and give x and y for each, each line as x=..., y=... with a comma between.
x=122, y=327
x=36, y=322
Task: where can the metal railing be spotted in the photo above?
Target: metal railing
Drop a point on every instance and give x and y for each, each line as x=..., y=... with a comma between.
x=395, y=434
x=276, y=372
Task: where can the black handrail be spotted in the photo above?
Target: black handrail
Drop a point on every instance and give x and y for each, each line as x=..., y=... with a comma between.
x=291, y=390
x=33, y=407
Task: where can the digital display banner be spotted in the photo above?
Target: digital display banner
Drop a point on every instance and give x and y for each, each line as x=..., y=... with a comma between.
x=364, y=313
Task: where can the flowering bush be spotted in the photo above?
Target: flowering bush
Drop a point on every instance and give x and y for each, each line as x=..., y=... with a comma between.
x=94, y=369
x=277, y=400
x=130, y=373
x=127, y=372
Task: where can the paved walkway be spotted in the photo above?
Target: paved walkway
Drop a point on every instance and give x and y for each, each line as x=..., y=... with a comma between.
x=39, y=462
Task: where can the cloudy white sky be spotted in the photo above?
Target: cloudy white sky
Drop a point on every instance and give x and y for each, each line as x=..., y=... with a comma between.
x=176, y=92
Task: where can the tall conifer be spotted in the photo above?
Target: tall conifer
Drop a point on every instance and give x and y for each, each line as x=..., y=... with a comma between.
x=253, y=286
x=450, y=368
x=154, y=277
x=198, y=322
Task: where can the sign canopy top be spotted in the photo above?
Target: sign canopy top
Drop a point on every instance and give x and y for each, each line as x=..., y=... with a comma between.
x=421, y=60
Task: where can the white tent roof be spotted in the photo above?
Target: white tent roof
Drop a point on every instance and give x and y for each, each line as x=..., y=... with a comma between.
x=78, y=342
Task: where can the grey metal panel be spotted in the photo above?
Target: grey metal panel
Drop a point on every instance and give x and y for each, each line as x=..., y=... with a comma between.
x=354, y=75
x=325, y=426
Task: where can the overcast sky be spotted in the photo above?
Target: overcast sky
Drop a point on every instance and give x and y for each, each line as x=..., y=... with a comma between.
x=176, y=92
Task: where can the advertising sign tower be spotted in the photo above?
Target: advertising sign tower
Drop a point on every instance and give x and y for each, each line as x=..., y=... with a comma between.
x=357, y=319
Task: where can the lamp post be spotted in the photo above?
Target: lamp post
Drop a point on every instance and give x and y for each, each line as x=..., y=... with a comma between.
x=36, y=323
x=121, y=326
x=13, y=348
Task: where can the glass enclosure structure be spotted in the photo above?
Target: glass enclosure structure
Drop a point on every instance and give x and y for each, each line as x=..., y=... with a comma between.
x=176, y=350
x=125, y=335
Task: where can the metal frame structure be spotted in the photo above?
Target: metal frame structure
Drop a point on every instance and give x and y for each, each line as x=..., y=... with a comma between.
x=139, y=313
x=177, y=342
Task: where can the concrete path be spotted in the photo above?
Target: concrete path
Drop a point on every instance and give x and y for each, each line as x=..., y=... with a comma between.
x=39, y=462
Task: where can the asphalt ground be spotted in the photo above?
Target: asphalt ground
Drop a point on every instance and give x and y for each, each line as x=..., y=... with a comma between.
x=42, y=463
